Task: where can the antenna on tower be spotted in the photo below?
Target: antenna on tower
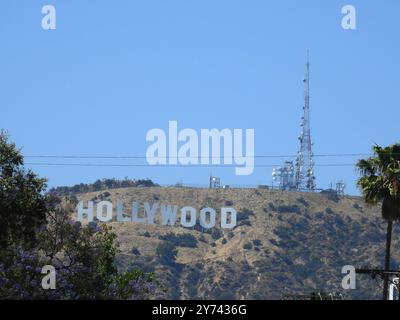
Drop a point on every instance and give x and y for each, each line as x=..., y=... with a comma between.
x=305, y=179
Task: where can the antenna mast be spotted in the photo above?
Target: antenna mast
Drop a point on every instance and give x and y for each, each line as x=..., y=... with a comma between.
x=305, y=179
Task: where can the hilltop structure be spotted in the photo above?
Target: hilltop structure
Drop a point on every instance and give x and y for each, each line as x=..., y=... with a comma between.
x=300, y=175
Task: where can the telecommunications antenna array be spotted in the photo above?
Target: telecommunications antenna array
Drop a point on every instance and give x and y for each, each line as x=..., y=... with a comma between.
x=305, y=179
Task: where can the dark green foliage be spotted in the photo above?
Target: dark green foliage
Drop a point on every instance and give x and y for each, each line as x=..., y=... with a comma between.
x=257, y=242
x=194, y=275
x=300, y=239
x=216, y=233
x=102, y=184
x=319, y=215
x=180, y=240
x=156, y=197
x=273, y=242
x=243, y=217
x=23, y=204
x=93, y=226
x=104, y=195
x=303, y=201
x=380, y=182
x=224, y=241
x=329, y=211
x=247, y=246
x=225, y=295
x=246, y=212
x=36, y=230
x=135, y=251
x=288, y=208
x=331, y=195
x=167, y=251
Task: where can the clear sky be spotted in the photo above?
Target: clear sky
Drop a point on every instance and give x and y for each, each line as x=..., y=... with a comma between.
x=112, y=70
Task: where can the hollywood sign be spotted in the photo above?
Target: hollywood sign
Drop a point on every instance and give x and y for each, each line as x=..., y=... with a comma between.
x=148, y=212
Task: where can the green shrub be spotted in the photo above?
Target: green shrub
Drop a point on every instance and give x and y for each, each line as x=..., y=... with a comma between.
x=166, y=250
x=135, y=251
x=329, y=211
x=247, y=246
x=216, y=233
x=181, y=240
x=288, y=208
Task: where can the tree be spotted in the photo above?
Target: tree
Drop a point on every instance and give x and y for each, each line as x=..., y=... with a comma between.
x=23, y=204
x=380, y=183
x=36, y=230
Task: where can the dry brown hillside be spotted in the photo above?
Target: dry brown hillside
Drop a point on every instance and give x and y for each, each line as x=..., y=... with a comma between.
x=285, y=243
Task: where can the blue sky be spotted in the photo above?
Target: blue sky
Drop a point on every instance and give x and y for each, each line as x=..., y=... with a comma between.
x=112, y=70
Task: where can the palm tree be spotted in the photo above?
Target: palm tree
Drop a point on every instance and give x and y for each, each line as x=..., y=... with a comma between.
x=380, y=182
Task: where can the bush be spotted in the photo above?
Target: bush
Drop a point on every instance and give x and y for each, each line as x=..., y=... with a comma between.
x=329, y=211
x=247, y=246
x=166, y=250
x=288, y=208
x=243, y=217
x=181, y=240
x=257, y=242
x=104, y=195
x=216, y=234
x=135, y=251
x=147, y=234
x=319, y=215
x=331, y=195
x=303, y=201
x=274, y=242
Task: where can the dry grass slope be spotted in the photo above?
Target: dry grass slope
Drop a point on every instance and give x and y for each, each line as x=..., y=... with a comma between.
x=285, y=243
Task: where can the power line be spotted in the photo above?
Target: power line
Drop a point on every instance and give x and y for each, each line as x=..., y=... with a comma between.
x=174, y=165
x=211, y=157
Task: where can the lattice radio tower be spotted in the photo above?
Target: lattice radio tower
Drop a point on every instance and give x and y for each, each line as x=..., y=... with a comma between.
x=305, y=179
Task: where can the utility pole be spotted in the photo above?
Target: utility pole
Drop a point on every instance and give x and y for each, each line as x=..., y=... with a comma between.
x=385, y=275
x=305, y=179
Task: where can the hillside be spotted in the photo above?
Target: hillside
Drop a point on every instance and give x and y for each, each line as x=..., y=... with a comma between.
x=285, y=243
